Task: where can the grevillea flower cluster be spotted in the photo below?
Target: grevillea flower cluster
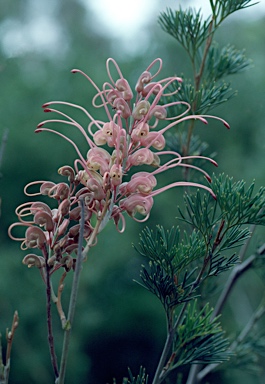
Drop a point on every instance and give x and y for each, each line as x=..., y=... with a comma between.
x=116, y=148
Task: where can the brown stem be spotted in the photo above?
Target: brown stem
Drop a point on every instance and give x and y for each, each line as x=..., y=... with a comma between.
x=208, y=43
x=5, y=369
x=197, y=82
x=81, y=256
x=49, y=315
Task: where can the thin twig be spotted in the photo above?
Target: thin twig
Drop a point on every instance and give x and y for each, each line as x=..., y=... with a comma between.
x=49, y=315
x=73, y=298
x=170, y=337
x=81, y=256
x=235, y=274
x=5, y=369
x=197, y=81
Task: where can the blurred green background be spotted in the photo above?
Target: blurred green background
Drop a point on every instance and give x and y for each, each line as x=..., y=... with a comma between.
x=117, y=323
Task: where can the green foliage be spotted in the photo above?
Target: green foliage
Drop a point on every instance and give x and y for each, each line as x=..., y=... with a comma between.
x=187, y=28
x=206, y=98
x=199, y=339
x=170, y=273
x=237, y=203
x=222, y=222
x=210, y=64
x=166, y=287
x=176, y=265
x=223, y=8
x=140, y=379
x=224, y=62
x=167, y=249
x=218, y=226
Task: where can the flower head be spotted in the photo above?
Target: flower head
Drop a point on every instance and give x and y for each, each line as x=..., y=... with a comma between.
x=128, y=138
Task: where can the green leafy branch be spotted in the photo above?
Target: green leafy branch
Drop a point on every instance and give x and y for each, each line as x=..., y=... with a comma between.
x=197, y=338
x=224, y=62
x=187, y=28
x=209, y=63
x=221, y=9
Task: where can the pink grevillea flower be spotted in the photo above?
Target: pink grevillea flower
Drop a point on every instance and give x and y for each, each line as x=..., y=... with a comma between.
x=129, y=138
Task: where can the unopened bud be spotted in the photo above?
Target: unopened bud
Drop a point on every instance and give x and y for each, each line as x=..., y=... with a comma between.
x=141, y=109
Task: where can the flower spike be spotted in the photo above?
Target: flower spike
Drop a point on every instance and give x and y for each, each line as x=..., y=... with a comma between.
x=106, y=176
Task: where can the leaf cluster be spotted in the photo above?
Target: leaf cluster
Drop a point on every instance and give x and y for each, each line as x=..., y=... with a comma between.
x=187, y=28
x=176, y=264
x=223, y=8
x=237, y=203
x=205, y=98
x=222, y=223
x=200, y=339
x=224, y=62
x=210, y=64
x=170, y=271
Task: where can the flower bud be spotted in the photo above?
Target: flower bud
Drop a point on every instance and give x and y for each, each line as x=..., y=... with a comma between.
x=94, y=186
x=154, y=88
x=75, y=230
x=158, y=112
x=99, y=138
x=46, y=187
x=141, y=109
x=68, y=171
x=63, y=227
x=40, y=206
x=112, y=95
x=137, y=203
x=98, y=159
x=143, y=79
x=64, y=207
x=123, y=86
x=52, y=260
x=44, y=219
x=141, y=182
x=35, y=237
x=59, y=191
x=67, y=262
x=121, y=105
x=32, y=260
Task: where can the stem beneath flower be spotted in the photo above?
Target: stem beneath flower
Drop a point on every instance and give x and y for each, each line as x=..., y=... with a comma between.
x=81, y=256
x=73, y=299
x=49, y=315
